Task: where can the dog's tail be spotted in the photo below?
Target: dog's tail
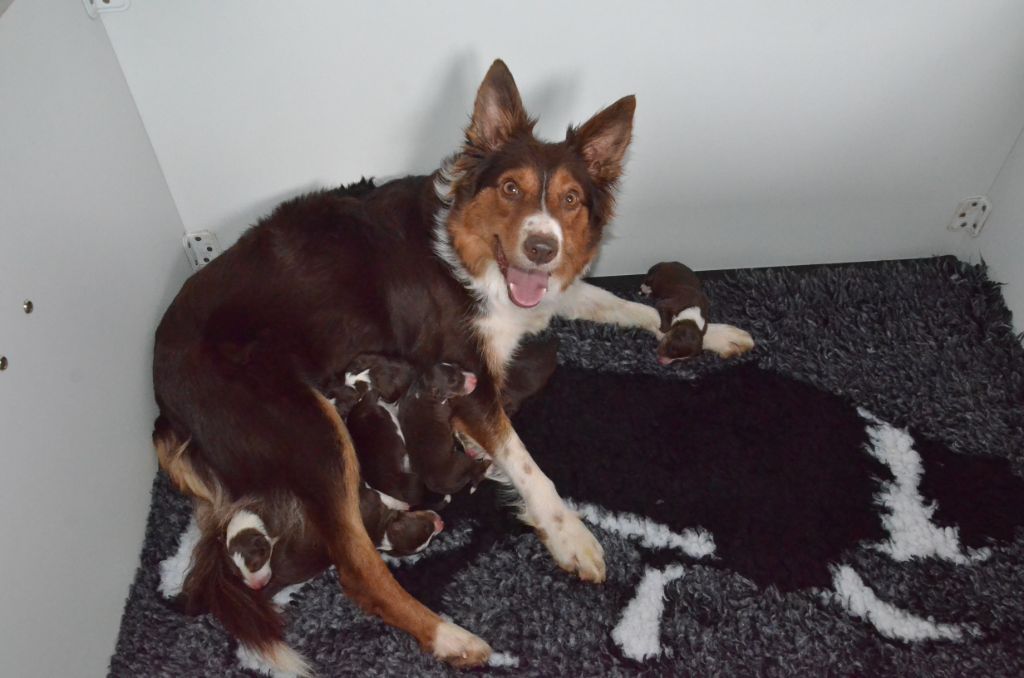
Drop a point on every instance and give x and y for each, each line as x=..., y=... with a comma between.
x=213, y=586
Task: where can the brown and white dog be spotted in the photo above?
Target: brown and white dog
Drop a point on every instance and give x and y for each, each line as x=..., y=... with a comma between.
x=453, y=267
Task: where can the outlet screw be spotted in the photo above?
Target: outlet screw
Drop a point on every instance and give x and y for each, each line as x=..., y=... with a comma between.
x=28, y=306
x=3, y=363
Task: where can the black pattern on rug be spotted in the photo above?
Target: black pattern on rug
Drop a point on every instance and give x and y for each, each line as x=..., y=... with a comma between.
x=741, y=493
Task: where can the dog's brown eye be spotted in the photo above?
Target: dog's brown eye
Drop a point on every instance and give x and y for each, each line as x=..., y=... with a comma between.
x=572, y=200
x=510, y=189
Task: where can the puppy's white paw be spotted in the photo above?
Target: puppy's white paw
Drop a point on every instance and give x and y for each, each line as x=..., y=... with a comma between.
x=460, y=648
x=727, y=341
x=573, y=547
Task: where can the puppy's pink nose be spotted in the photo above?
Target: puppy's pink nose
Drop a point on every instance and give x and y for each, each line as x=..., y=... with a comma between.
x=256, y=583
x=662, y=360
x=470, y=382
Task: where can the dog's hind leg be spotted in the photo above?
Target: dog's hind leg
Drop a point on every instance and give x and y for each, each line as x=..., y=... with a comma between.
x=331, y=493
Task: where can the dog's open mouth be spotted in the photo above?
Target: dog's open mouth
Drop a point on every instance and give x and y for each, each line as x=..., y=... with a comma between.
x=525, y=288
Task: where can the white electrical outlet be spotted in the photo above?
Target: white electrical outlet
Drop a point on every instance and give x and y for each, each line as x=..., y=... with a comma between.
x=970, y=215
x=201, y=247
x=96, y=7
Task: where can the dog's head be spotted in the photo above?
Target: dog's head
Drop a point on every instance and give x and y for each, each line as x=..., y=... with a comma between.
x=524, y=218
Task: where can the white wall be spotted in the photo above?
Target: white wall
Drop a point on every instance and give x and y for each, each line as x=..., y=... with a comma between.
x=89, y=233
x=1001, y=242
x=767, y=133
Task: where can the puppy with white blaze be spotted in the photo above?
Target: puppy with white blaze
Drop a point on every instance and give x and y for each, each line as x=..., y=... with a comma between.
x=454, y=267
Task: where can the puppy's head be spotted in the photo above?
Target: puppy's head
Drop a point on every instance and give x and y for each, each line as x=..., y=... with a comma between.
x=682, y=341
x=524, y=218
x=410, y=532
x=375, y=372
x=249, y=547
x=446, y=380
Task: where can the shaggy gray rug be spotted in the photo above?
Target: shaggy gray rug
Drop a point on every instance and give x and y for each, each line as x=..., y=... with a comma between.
x=846, y=500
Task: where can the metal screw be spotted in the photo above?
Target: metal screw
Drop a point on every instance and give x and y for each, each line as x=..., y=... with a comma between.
x=3, y=363
x=28, y=306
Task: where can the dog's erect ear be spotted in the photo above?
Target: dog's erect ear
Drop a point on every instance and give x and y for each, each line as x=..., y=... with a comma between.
x=603, y=140
x=498, y=112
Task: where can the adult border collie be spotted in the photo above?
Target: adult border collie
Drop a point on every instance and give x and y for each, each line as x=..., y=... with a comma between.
x=453, y=267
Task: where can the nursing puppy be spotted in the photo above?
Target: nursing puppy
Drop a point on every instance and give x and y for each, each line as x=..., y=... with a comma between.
x=683, y=308
x=400, y=423
x=457, y=266
x=252, y=548
x=250, y=543
x=424, y=416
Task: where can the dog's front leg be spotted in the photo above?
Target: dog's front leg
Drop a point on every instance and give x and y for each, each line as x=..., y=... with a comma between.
x=583, y=301
x=570, y=543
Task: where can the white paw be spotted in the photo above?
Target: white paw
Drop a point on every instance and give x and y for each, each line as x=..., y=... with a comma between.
x=573, y=547
x=458, y=647
x=727, y=341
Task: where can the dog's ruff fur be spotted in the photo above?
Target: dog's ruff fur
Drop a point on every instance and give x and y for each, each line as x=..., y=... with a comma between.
x=455, y=267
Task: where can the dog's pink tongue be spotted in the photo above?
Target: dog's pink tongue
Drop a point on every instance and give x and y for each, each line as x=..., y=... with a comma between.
x=526, y=288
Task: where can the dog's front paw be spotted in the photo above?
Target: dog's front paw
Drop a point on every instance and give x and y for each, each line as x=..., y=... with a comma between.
x=573, y=547
x=727, y=341
x=458, y=647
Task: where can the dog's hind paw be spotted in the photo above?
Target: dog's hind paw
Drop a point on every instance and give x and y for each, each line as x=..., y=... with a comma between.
x=460, y=648
x=574, y=548
x=727, y=341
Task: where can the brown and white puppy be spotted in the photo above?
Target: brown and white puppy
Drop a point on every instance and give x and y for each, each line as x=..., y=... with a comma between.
x=424, y=416
x=458, y=266
x=400, y=423
x=250, y=546
x=683, y=308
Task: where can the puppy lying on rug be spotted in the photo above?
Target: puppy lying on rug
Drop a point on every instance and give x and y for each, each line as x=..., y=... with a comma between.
x=268, y=538
x=680, y=301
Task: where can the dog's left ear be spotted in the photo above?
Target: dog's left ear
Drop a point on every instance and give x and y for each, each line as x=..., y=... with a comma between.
x=603, y=140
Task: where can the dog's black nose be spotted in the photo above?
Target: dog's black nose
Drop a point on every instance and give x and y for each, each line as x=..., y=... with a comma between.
x=540, y=249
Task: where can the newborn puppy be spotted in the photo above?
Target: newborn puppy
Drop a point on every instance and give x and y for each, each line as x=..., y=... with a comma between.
x=296, y=553
x=424, y=415
x=383, y=398
x=389, y=377
x=683, y=307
